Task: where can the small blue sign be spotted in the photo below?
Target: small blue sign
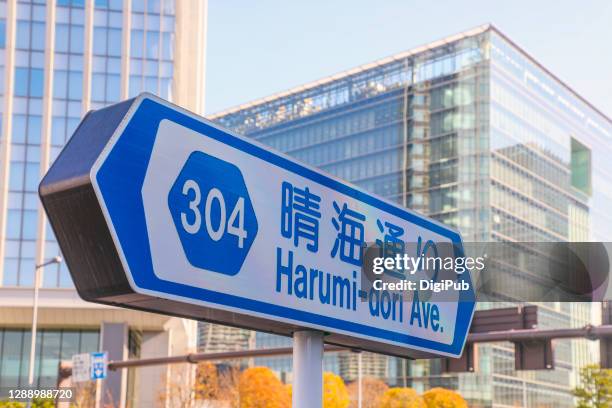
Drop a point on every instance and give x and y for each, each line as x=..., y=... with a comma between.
x=99, y=363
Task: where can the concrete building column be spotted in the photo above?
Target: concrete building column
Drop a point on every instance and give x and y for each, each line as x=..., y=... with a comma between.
x=114, y=340
x=153, y=381
x=87, y=56
x=190, y=37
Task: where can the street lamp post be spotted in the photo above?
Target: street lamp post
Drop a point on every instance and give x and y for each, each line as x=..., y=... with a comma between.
x=37, y=282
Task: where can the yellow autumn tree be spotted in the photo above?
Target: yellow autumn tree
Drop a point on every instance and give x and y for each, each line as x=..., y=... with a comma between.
x=401, y=398
x=443, y=398
x=335, y=394
x=206, y=385
x=372, y=390
x=260, y=388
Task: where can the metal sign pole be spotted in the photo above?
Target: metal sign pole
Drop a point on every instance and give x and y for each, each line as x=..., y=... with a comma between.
x=359, y=380
x=307, y=369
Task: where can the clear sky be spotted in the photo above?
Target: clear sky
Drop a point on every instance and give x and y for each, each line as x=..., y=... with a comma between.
x=257, y=48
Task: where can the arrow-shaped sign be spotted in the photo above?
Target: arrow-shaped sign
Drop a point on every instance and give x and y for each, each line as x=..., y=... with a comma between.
x=158, y=209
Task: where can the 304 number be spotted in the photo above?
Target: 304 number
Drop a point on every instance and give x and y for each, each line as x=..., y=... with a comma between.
x=234, y=225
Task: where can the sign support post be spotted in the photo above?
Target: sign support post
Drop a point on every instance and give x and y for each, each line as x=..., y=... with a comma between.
x=307, y=369
x=359, y=380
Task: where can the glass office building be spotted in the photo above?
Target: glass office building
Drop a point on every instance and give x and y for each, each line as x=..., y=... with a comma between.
x=475, y=133
x=59, y=59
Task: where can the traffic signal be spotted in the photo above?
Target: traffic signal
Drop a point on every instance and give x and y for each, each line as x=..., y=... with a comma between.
x=510, y=318
x=534, y=355
x=498, y=320
x=464, y=364
x=605, y=344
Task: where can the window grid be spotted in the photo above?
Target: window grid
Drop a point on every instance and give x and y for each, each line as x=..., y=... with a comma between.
x=24, y=166
x=152, y=47
x=51, y=347
x=106, y=59
x=66, y=108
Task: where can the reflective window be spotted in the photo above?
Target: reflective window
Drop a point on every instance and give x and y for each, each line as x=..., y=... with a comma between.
x=19, y=128
x=22, y=35
x=33, y=133
x=114, y=42
x=31, y=183
x=38, y=36
x=136, y=43
x=76, y=39
x=168, y=46
x=135, y=85
x=51, y=347
x=75, y=85
x=98, y=87
x=152, y=42
x=153, y=6
x=58, y=131
x=11, y=268
x=99, y=40
x=138, y=6
x=21, y=82
x=60, y=84
x=113, y=87
x=2, y=33
x=13, y=225
x=37, y=78
x=73, y=3
x=61, y=37
x=581, y=166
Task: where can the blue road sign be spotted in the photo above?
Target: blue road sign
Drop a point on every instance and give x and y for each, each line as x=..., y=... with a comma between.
x=99, y=363
x=199, y=222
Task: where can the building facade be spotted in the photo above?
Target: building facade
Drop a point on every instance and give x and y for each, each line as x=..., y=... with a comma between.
x=213, y=338
x=472, y=131
x=59, y=59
